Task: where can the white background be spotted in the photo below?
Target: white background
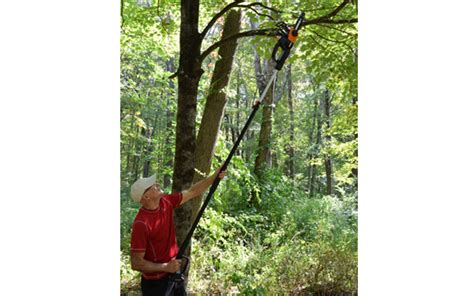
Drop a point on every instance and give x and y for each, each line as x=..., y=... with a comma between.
x=59, y=157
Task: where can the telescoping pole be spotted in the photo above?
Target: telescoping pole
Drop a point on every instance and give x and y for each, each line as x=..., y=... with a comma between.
x=285, y=43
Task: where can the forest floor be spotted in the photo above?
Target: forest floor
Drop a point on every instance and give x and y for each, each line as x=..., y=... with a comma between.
x=135, y=291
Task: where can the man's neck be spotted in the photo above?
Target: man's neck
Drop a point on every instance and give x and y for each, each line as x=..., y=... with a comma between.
x=153, y=205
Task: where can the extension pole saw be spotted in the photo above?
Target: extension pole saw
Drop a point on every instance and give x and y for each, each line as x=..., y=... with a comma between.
x=286, y=41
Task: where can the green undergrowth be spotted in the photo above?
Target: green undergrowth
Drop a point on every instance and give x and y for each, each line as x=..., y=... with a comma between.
x=287, y=243
x=312, y=249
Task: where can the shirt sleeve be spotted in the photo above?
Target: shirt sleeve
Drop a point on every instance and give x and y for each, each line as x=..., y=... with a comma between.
x=175, y=199
x=139, y=237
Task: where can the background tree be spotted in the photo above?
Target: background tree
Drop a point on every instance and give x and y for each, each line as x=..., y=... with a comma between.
x=215, y=103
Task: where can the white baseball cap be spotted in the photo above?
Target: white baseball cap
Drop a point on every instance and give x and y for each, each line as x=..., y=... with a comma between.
x=139, y=187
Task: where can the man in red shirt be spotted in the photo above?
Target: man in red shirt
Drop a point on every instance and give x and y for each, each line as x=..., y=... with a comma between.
x=153, y=245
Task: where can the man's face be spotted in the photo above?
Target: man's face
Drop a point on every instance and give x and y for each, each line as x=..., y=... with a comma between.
x=153, y=191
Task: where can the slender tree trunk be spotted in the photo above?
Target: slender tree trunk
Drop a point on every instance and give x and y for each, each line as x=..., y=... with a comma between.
x=263, y=159
x=138, y=150
x=215, y=104
x=327, y=160
x=130, y=145
x=227, y=133
x=250, y=139
x=315, y=146
x=274, y=161
x=150, y=132
x=290, y=147
x=355, y=171
x=233, y=130
x=246, y=150
x=149, y=148
x=237, y=108
x=168, y=151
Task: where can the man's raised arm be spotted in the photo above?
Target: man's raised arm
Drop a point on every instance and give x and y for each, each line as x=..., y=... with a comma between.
x=201, y=186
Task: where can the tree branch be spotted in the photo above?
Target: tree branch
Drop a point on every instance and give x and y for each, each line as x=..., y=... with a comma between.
x=232, y=5
x=334, y=41
x=325, y=19
x=217, y=16
x=173, y=75
x=261, y=5
x=338, y=58
x=262, y=32
x=337, y=29
x=258, y=13
x=335, y=11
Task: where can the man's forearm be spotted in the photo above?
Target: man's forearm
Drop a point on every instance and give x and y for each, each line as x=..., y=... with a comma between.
x=148, y=266
x=202, y=185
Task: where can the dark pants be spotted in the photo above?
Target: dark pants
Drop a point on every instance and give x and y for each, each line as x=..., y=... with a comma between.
x=158, y=287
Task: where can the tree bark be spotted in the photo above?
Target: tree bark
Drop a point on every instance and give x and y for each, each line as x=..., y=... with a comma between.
x=246, y=150
x=232, y=128
x=237, y=108
x=138, y=154
x=215, y=104
x=130, y=145
x=149, y=148
x=168, y=151
x=355, y=171
x=327, y=160
x=264, y=157
x=189, y=73
x=315, y=147
x=290, y=147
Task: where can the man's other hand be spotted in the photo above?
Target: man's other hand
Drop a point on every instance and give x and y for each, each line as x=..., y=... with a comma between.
x=173, y=266
x=222, y=174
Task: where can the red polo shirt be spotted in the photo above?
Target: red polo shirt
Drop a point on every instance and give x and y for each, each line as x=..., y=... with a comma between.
x=153, y=232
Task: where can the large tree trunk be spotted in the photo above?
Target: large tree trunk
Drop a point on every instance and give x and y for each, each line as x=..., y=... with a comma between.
x=215, y=103
x=189, y=73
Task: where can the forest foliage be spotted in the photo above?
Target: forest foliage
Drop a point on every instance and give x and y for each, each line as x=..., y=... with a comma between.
x=292, y=228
